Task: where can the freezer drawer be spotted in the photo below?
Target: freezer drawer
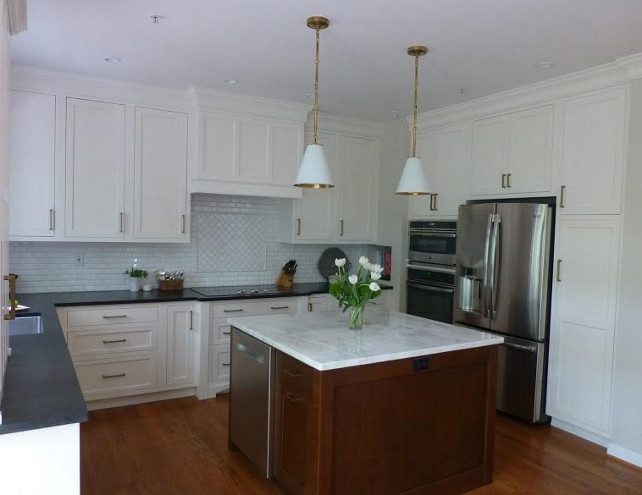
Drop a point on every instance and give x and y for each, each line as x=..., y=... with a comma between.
x=521, y=378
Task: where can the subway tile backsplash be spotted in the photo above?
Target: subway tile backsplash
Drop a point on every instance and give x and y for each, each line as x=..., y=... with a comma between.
x=234, y=241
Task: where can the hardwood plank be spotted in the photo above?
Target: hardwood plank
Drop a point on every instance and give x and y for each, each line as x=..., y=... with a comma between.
x=180, y=447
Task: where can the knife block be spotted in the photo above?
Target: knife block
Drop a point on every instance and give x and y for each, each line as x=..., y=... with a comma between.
x=284, y=280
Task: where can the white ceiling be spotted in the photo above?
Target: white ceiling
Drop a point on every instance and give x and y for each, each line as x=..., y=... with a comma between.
x=481, y=46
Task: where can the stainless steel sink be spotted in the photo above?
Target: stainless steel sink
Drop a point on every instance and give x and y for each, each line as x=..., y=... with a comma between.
x=24, y=325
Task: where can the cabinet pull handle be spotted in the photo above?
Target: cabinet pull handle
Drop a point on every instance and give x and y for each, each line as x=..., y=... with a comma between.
x=279, y=307
x=298, y=226
x=227, y=333
x=119, y=375
x=183, y=223
x=12, y=296
x=341, y=224
x=508, y=176
x=121, y=222
x=225, y=364
x=191, y=320
x=309, y=307
x=52, y=220
x=430, y=207
x=562, y=191
x=291, y=374
x=232, y=310
x=292, y=397
x=111, y=317
x=114, y=341
x=559, y=270
x=434, y=201
x=503, y=181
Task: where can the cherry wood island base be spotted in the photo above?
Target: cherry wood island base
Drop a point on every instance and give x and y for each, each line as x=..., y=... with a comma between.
x=386, y=428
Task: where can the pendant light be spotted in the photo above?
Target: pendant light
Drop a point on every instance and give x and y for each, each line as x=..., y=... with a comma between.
x=413, y=180
x=314, y=172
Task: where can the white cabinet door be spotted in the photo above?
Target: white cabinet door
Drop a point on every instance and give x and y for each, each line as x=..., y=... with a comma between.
x=182, y=331
x=583, y=323
x=32, y=135
x=593, y=153
x=95, y=170
x=314, y=214
x=218, y=141
x=445, y=153
x=357, y=189
x=530, y=154
x=286, y=150
x=489, y=154
x=160, y=175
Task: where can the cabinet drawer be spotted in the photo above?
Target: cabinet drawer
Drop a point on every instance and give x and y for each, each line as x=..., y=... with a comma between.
x=219, y=362
x=261, y=307
x=110, y=315
x=117, y=377
x=295, y=377
x=103, y=341
x=220, y=332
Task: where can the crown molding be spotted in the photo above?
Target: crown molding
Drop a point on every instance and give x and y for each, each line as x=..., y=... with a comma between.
x=256, y=106
x=632, y=65
x=348, y=125
x=602, y=76
x=37, y=79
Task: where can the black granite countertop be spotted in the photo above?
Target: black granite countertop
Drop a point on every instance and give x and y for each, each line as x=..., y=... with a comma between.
x=41, y=389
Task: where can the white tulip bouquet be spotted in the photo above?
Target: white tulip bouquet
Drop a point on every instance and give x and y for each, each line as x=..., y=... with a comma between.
x=354, y=291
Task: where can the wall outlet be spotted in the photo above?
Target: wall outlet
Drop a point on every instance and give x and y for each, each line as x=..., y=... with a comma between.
x=80, y=260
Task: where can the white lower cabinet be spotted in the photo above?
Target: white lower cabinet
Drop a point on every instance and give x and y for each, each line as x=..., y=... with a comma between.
x=583, y=323
x=182, y=330
x=128, y=350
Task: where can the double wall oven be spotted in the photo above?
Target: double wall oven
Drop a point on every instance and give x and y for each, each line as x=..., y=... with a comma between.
x=432, y=248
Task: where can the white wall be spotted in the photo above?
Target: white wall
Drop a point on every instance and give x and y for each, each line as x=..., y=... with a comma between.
x=393, y=209
x=626, y=438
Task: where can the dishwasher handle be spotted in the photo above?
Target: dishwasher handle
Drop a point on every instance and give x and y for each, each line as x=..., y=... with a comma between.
x=250, y=353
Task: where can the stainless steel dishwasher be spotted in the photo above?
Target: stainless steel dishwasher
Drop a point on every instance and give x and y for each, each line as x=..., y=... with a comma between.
x=252, y=399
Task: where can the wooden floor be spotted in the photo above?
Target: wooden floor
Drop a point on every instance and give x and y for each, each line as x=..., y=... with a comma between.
x=179, y=447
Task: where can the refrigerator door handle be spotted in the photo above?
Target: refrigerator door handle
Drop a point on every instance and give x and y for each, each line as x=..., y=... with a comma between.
x=489, y=231
x=494, y=266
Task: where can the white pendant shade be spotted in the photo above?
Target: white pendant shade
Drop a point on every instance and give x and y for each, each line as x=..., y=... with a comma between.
x=413, y=180
x=314, y=171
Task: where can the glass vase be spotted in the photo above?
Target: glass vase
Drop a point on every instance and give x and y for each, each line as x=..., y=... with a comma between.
x=356, y=318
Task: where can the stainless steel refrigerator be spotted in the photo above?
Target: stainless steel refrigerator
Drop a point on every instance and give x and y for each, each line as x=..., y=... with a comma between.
x=502, y=286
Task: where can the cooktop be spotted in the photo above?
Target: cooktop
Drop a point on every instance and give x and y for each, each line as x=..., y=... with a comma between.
x=243, y=290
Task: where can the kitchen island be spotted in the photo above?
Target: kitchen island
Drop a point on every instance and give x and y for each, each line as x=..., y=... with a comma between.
x=406, y=405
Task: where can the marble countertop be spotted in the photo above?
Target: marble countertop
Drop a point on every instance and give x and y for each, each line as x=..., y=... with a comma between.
x=322, y=339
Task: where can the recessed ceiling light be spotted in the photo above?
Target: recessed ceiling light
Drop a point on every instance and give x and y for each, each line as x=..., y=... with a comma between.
x=230, y=81
x=113, y=60
x=544, y=65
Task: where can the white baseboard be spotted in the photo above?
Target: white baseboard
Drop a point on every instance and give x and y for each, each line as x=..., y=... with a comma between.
x=625, y=455
x=580, y=432
x=140, y=399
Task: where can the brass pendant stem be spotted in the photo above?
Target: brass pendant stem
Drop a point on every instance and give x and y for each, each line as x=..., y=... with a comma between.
x=316, y=90
x=414, y=125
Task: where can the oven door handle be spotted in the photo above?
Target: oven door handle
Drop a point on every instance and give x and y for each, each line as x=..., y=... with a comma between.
x=431, y=288
x=433, y=234
x=431, y=268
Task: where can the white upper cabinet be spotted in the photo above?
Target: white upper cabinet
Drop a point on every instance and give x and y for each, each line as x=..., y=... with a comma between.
x=513, y=153
x=32, y=136
x=160, y=175
x=445, y=153
x=348, y=212
x=358, y=167
x=314, y=214
x=95, y=170
x=583, y=322
x=593, y=153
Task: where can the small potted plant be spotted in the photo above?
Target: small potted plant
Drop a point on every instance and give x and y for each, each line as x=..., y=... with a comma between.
x=135, y=275
x=354, y=291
